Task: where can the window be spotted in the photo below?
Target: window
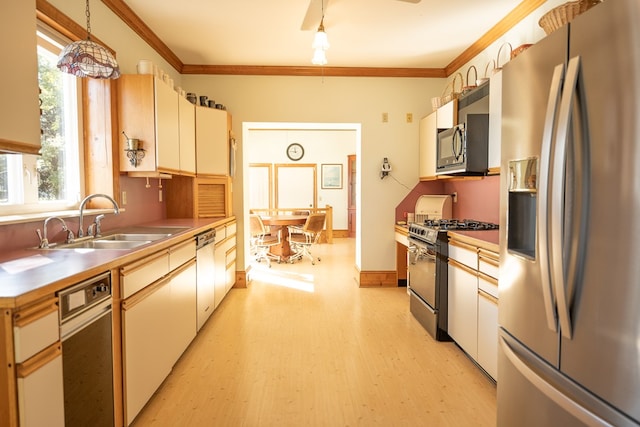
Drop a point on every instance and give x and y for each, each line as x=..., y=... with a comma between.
x=51, y=181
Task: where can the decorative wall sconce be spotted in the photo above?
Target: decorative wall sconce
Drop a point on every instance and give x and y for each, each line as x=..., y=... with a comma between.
x=135, y=152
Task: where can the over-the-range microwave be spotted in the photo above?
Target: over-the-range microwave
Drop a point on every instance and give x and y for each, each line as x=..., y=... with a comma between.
x=463, y=149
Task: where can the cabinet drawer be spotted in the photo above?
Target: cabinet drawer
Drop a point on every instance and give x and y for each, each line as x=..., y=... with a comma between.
x=181, y=253
x=142, y=273
x=464, y=254
x=35, y=328
x=488, y=284
x=231, y=229
x=221, y=233
x=488, y=263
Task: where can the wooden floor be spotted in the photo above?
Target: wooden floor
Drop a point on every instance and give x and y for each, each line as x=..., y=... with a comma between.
x=304, y=346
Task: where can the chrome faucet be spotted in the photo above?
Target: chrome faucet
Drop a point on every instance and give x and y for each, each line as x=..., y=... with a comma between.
x=116, y=211
x=44, y=242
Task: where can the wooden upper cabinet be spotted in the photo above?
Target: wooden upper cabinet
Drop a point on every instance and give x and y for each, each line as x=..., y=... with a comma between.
x=212, y=141
x=19, y=105
x=148, y=111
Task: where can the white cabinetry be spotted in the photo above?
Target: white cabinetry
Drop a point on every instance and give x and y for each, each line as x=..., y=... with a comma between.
x=187, y=131
x=225, y=260
x=473, y=303
x=212, y=141
x=38, y=354
x=158, y=320
x=495, y=122
x=463, y=299
x=447, y=115
x=19, y=110
x=427, y=156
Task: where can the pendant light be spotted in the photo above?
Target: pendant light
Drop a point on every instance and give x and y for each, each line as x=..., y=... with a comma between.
x=86, y=58
x=320, y=42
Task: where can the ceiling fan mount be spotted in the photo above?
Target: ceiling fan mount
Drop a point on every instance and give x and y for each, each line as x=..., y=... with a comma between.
x=315, y=11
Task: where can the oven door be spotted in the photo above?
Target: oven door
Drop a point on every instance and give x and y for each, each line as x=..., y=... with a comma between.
x=422, y=272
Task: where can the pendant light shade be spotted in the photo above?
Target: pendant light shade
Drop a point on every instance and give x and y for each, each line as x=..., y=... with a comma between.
x=86, y=58
x=320, y=41
x=319, y=57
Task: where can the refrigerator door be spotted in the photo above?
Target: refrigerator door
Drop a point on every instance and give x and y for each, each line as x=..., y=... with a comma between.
x=603, y=353
x=525, y=311
x=551, y=399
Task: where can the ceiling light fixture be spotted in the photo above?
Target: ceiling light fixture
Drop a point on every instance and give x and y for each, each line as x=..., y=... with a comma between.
x=86, y=58
x=320, y=43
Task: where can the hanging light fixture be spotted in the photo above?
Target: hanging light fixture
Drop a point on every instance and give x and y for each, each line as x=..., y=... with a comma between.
x=320, y=42
x=86, y=58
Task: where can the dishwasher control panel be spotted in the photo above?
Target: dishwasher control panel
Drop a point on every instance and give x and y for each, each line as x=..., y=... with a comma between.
x=84, y=295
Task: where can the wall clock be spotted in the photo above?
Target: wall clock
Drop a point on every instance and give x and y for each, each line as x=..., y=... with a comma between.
x=295, y=151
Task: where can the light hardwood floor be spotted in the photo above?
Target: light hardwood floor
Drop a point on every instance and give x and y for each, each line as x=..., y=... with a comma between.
x=304, y=346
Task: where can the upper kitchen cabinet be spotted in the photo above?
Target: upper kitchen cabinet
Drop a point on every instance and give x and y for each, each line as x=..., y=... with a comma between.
x=19, y=109
x=447, y=115
x=427, y=157
x=212, y=141
x=187, y=130
x=495, y=123
x=149, y=111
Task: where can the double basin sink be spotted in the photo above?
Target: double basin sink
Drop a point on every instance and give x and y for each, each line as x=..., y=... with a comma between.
x=124, y=239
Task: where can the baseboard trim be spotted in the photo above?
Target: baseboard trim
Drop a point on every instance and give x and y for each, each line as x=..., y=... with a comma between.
x=241, y=279
x=377, y=279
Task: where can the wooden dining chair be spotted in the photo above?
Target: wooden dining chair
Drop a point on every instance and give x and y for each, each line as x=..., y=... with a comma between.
x=261, y=242
x=303, y=238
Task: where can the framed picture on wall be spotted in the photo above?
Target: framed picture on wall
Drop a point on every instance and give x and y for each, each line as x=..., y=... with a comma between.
x=331, y=176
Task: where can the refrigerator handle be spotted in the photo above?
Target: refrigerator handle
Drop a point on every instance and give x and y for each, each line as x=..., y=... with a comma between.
x=543, y=196
x=564, y=276
x=581, y=413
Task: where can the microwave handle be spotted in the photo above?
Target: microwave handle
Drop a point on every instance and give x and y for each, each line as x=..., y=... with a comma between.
x=457, y=137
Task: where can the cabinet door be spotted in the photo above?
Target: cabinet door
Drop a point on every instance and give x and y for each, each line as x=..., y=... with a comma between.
x=220, y=283
x=19, y=110
x=495, y=122
x=488, y=333
x=212, y=148
x=41, y=390
x=447, y=115
x=182, y=310
x=146, y=361
x=463, y=307
x=230, y=256
x=428, y=135
x=167, y=134
x=187, y=128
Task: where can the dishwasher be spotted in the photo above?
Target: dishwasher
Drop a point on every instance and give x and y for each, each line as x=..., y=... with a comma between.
x=205, y=276
x=87, y=352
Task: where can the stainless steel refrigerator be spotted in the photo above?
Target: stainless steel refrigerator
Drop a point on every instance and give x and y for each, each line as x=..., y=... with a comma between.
x=569, y=346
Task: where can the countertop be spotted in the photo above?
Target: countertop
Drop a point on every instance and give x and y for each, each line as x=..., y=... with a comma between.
x=486, y=239
x=28, y=274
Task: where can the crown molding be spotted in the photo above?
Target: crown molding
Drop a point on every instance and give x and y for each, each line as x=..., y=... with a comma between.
x=265, y=70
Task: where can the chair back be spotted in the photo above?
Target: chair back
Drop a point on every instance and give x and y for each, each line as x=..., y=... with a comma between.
x=256, y=225
x=315, y=223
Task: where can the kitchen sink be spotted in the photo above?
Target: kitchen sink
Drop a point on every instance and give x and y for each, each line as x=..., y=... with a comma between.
x=134, y=237
x=103, y=244
x=127, y=238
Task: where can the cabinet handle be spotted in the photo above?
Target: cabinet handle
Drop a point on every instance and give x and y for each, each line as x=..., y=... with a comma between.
x=129, y=268
x=456, y=264
x=488, y=278
x=34, y=363
x=144, y=293
x=462, y=245
x=488, y=257
x=35, y=312
x=487, y=296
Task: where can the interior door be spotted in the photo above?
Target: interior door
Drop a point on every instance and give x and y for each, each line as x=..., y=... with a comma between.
x=295, y=186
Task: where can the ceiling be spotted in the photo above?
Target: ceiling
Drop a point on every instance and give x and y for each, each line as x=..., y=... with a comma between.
x=429, y=34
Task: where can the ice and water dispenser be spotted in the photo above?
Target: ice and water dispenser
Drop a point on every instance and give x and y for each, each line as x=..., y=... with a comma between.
x=523, y=186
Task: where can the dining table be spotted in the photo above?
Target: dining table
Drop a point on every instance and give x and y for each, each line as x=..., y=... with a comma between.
x=278, y=223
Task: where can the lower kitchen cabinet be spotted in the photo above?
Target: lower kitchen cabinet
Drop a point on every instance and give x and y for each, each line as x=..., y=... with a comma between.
x=40, y=389
x=158, y=324
x=225, y=260
x=473, y=303
x=463, y=307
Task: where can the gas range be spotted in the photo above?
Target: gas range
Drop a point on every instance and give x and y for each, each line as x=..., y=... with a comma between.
x=429, y=229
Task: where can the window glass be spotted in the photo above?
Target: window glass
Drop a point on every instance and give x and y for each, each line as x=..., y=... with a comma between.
x=52, y=180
